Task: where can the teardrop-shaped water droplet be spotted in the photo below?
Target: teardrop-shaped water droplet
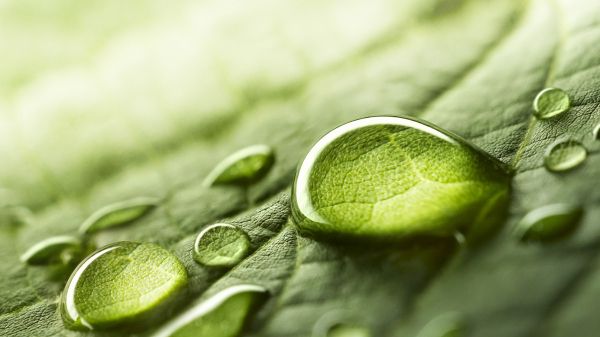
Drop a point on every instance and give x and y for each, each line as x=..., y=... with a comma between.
x=549, y=223
x=564, y=156
x=551, y=102
x=118, y=214
x=222, y=315
x=123, y=284
x=450, y=324
x=596, y=132
x=49, y=250
x=221, y=245
x=243, y=167
x=392, y=177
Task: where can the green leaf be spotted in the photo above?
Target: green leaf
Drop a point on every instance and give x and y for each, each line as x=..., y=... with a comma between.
x=86, y=122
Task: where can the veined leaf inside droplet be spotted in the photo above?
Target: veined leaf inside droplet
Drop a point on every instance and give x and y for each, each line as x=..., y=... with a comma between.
x=242, y=167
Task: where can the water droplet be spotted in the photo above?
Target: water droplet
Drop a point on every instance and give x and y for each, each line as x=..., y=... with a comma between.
x=450, y=324
x=222, y=315
x=564, y=156
x=391, y=177
x=596, y=132
x=348, y=330
x=551, y=102
x=122, y=284
x=50, y=250
x=549, y=223
x=14, y=216
x=118, y=214
x=221, y=245
x=243, y=167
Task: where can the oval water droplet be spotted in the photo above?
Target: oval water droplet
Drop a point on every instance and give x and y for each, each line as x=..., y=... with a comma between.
x=50, y=250
x=596, y=132
x=392, y=177
x=551, y=102
x=243, y=167
x=549, y=223
x=564, y=156
x=222, y=315
x=221, y=245
x=123, y=284
x=348, y=330
x=117, y=214
x=450, y=324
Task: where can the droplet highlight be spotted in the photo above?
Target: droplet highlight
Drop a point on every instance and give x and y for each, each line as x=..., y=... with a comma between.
x=118, y=214
x=222, y=315
x=564, y=156
x=243, y=167
x=549, y=223
x=221, y=245
x=596, y=132
x=551, y=102
x=393, y=177
x=51, y=250
x=125, y=284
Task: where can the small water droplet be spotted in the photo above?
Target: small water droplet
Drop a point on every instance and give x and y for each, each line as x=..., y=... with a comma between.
x=348, y=330
x=14, y=216
x=221, y=245
x=564, y=156
x=451, y=324
x=122, y=284
x=549, y=223
x=551, y=102
x=221, y=315
x=51, y=250
x=596, y=132
x=391, y=177
x=243, y=167
x=339, y=323
x=117, y=214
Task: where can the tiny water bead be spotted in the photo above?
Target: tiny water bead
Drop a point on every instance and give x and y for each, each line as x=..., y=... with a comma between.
x=340, y=323
x=221, y=245
x=118, y=214
x=392, y=177
x=564, y=156
x=451, y=324
x=122, y=284
x=51, y=250
x=222, y=315
x=596, y=132
x=549, y=223
x=551, y=102
x=243, y=167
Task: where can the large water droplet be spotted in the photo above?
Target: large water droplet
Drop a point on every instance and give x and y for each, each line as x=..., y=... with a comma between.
x=243, y=167
x=118, y=214
x=391, y=177
x=450, y=324
x=222, y=315
x=564, y=156
x=123, y=284
x=221, y=245
x=551, y=102
x=50, y=250
x=549, y=223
